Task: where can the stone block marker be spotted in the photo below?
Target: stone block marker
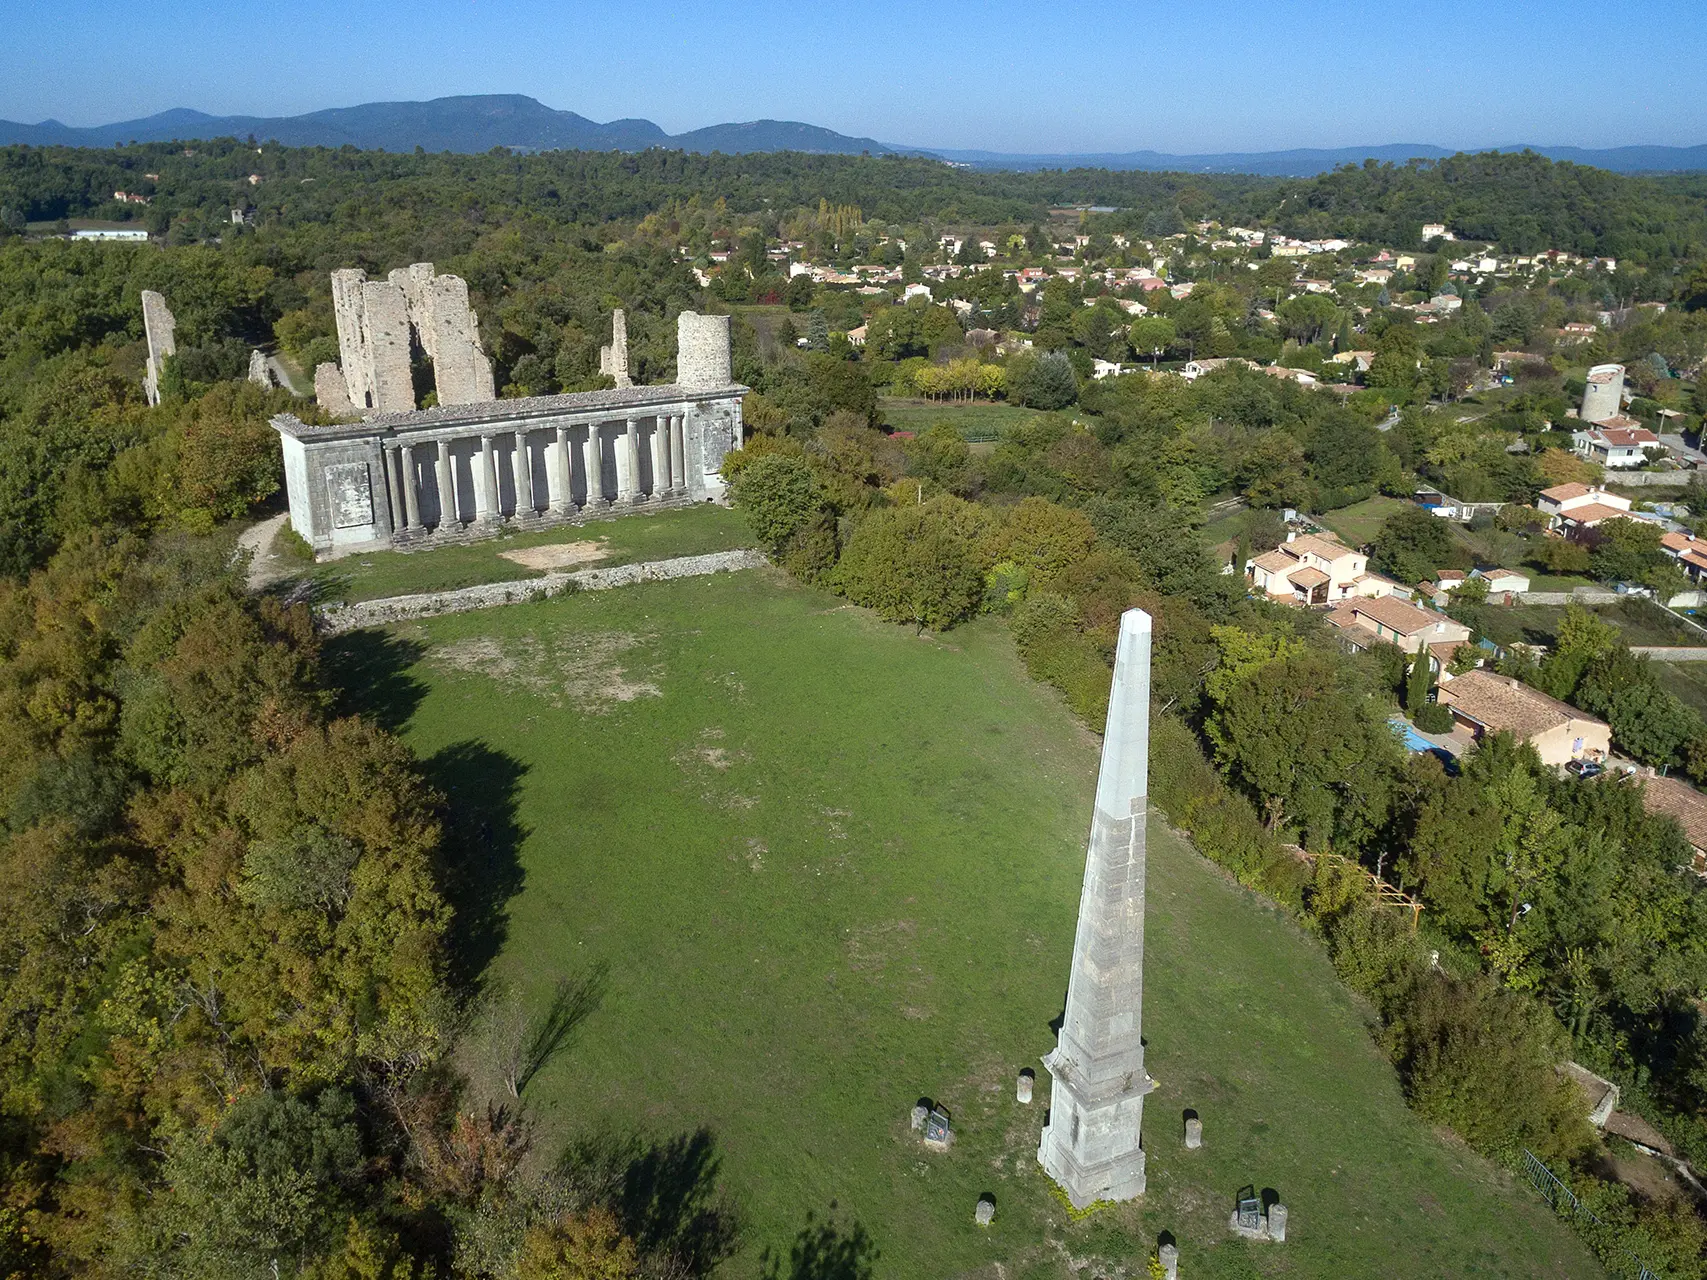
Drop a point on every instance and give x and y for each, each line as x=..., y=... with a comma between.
x=1193, y=1133
x=985, y=1213
x=918, y=1117
x=1277, y=1223
x=1022, y=1090
x=1168, y=1256
x=938, y=1134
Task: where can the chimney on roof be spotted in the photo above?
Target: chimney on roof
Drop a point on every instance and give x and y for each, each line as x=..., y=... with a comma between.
x=1291, y=534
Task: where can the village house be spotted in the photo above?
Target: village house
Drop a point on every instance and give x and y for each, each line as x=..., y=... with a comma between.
x=1616, y=442
x=1687, y=807
x=1571, y=507
x=1485, y=703
x=1502, y=582
x=1410, y=627
x=1690, y=553
x=1312, y=569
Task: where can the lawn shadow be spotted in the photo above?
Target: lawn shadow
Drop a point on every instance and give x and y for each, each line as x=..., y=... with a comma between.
x=666, y=1193
x=825, y=1251
x=481, y=853
x=370, y=671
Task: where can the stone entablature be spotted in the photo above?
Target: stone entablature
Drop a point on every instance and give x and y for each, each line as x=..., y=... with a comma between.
x=428, y=477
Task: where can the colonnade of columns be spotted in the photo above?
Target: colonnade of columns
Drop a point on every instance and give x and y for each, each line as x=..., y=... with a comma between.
x=573, y=452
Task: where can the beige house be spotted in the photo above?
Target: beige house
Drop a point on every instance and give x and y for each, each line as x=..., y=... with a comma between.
x=1485, y=703
x=1362, y=622
x=1315, y=569
x=1678, y=800
x=1571, y=507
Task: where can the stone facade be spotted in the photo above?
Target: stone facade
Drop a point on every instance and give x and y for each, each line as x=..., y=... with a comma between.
x=1090, y=1145
x=380, y=321
x=428, y=477
x=259, y=373
x=161, y=329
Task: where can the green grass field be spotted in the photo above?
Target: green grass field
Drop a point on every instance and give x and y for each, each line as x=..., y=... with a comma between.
x=820, y=866
x=975, y=421
x=1358, y=524
x=1639, y=622
x=683, y=531
x=1688, y=680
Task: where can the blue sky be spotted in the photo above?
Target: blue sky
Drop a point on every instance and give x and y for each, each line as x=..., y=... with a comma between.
x=1068, y=75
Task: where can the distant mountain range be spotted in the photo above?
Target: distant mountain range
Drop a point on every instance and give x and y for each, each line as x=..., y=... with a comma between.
x=481, y=122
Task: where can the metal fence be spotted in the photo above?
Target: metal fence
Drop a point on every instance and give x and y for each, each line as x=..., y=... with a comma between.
x=1565, y=1201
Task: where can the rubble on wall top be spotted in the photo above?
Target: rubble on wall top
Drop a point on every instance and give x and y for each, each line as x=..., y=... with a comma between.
x=527, y=406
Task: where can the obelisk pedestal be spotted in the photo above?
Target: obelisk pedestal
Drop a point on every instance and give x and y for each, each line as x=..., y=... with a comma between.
x=1090, y=1144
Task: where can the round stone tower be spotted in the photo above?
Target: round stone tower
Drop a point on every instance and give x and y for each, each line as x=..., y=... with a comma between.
x=702, y=350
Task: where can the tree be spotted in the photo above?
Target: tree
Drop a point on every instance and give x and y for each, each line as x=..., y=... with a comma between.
x=1043, y=382
x=1397, y=365
x=912, y=565
x=1417, y=685
x=1151, y=335
x=1412, y=545
x=1310, y=748
x=778, y=496
x=578, y=1246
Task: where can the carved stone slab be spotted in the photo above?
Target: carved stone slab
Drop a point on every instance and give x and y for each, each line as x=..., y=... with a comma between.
x=352, y=494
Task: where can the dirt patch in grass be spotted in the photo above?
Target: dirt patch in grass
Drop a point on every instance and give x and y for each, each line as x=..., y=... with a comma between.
x=558, y=555
x=585, y=670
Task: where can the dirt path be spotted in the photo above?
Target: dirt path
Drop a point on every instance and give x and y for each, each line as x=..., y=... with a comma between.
x=266, y=565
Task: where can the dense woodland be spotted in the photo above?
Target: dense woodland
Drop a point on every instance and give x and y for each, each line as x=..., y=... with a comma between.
x=238, y=942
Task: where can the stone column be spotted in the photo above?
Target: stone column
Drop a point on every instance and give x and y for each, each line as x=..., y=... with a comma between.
x=411, y=491
x=661, y=457
x=486, y=484
x=449, y=517
x=562, y=475
x=595, y=468
x=678, y=451
x=628, y=475
x=523, y=474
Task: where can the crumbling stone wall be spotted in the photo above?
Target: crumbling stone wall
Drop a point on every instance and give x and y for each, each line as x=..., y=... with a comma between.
x=450, y=334
x=377, y=321
x=613, y=360
x=161, y=330
x=702, y=350
x=385, y=323
x=330, y=392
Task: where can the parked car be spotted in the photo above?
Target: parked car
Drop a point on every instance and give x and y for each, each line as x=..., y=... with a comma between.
x=1584, y=769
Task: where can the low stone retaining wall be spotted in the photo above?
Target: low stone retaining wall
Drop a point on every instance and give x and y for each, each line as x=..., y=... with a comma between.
x=1641, y=479
x=1669, y=653
x=339, y=618
x=1582, y=595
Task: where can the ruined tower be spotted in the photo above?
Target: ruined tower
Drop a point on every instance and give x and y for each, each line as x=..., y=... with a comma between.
x=1090, y=1144
x=613, y=359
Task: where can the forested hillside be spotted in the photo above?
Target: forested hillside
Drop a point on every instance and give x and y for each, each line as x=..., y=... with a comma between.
x=1524, y=203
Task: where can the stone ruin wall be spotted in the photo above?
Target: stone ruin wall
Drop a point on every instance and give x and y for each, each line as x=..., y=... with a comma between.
x=450, y=333
x=702, y=350
x=376, y=321
x=385, y=323
x=613, y=360
x=161, y=329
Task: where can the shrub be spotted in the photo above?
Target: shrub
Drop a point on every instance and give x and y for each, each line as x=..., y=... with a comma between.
x=291, y=543
x=1434, y=718
x=911, y=565
x=778, y=496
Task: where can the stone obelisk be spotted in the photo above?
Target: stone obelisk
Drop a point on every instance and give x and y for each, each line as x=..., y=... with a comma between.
x=1096, y=1100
